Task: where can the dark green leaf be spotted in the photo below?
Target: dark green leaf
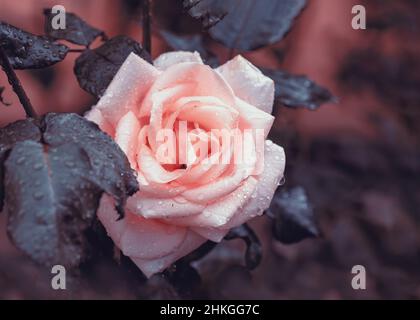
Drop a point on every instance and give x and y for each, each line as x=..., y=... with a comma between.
x=111, y=170
x=248, y=24
x=253, y=254
x=9, y=136
x=184, y=278
x=55, y=171
x=50, y=201
x=293, y=216
x=28, y=51
x=295, y=91
x=191, y=43
x=96, y=68
x=77, y=31
x=210, y=12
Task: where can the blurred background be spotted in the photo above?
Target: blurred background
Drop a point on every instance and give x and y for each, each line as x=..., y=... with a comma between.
x=358, y=159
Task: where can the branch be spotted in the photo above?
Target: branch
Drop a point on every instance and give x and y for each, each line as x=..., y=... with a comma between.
x=77, y=50
x=16, y=85
x=147, y=20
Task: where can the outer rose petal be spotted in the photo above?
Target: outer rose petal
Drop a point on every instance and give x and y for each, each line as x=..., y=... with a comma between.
x=165, y=60
x=274, y=164
x=152, y=245
x=152, y=266
x=139, y=237
x=248, y=201
x=216, y=189
x=127, y=89
x=108, y=216
x=158, y=190
x=253, y=118
x=213, y=234
x=152, y=207
x=149, y=238
x=220, y=212
x=249, y=83
x=126, y=136
x=95, y=115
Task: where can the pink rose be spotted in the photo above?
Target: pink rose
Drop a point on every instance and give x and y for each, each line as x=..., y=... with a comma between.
x=181, y=205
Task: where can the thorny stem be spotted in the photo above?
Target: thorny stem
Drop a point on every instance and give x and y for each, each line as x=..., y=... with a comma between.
x=16, y=85
x=147, y=20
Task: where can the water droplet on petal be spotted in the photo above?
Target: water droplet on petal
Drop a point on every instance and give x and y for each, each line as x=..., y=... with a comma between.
x=38, y=195
x=20, y=160
x=282, y=181
x=37, y=166
x=70, y=164
x=268, y=143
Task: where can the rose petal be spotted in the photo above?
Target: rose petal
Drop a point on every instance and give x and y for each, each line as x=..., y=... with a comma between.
x=165, y=60
x=150, y=266
x=138, y=237
x=157, y=101
x=209, y=169
x=202, y=173
x=96, y=116
x=126, y=136
x=274, y=164
x=249, y=83
x=127, y=89
x=217, y=189
x=109, y=218
x=206, y=82
x=213, y=234
x=253, y=118
x=209, y=117
x=148, y=238
x=219, y=213
x=152, y=207
x=153, y=170
x=158, y=190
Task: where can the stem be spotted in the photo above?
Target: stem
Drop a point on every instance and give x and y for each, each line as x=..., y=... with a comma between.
x=147, y=21
x=16, y=85
x=231, y=53
x=77, y=50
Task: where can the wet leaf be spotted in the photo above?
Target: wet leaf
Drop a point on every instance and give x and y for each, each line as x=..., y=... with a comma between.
x=246, y=24
x=2, y=101
x=28, y=51
x=111, y=170
x=55, y=171
x=77, y=31
x=49, y=211
x=253, y=254
x=184, y=278
x=95, y=68
x=191, y=43
x=293, y=216
x=295, y=91
x=16, y=132
x=210, y=12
